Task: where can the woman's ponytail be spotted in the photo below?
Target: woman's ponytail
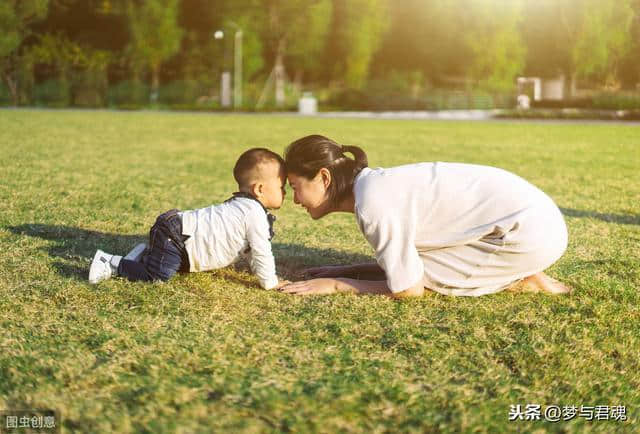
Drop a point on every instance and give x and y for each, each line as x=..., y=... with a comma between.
x=359, y=155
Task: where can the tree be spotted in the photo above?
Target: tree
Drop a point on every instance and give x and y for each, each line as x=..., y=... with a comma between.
x=603, y=39
x=579, y=38
x=293, y=30
x=155, y=35
x=420, y=41
x=358, y=27
x=493, y=37
x=308, y=39
x=80, y=71
x=15, y=18
x=629, y=67
x=489, y=51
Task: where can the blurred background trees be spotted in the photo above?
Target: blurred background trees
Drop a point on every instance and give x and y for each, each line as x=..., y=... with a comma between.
x=154, y=36
x=16, y=18
x=351, y=53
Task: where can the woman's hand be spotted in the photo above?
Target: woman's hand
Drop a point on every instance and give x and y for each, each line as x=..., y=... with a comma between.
x=282, y=283
x=326, y=286
x=327, y=271
x=311, y=287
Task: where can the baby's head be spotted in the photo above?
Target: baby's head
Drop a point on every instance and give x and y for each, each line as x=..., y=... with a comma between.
x=261, y=173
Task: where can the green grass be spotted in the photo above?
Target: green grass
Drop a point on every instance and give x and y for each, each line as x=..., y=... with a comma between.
x=212, y=352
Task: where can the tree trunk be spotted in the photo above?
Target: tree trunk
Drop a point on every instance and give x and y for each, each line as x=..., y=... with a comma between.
x=279, y=74
x=13, y=89
x=572, y=85
x=569, y=85
x=155, y=82
x=297, y=81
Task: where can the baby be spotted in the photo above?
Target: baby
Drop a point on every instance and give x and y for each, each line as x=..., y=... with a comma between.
x=213, y=237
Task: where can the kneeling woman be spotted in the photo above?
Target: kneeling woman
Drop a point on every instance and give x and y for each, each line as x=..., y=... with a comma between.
x=457, y=229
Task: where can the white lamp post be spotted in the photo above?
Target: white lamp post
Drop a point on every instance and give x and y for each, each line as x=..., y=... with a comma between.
x=237, y=69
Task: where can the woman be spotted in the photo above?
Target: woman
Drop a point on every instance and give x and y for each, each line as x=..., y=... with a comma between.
x=457, y=229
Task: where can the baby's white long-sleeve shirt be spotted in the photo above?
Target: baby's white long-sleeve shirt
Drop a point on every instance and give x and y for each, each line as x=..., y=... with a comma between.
x=220, y=234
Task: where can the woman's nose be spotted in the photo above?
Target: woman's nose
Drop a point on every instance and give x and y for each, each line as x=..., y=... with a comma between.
x=295, y=199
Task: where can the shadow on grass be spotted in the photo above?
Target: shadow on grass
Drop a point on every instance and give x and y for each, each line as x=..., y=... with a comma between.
x=293, y=259
x=76, y=246
x=611, y=218
x=616, y=268
x=74, y=242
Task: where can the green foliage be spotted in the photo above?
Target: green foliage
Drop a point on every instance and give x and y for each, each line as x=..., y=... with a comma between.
x=52, y=93
x=252, y=49
x=420, y=38
x=155, y=33
x=15, y=18
x=492, y=34
x=358, y=33
x=617, y=101
x=59, y=52
x=580, y=38
x=308, y=36
x=24, y=76
x=180, y=92
x=292, y=33
x=488, y=54
x=379, y=96
x=603, y=38
x=275, y=30
x=9, y=30
x=211, y=352
x=5, y=97
x=323, y=44
x=83, y=70
x=90, y=80
x=128, y=94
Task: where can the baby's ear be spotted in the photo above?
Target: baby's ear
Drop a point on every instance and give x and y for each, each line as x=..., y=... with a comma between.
x=256, y=189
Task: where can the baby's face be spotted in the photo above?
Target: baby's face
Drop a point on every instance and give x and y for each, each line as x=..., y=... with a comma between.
x=274, y=180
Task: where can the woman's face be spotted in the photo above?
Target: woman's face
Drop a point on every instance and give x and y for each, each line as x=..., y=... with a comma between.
x=312, y=194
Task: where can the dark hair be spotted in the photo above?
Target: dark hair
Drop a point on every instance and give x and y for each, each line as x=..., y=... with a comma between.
x=249, y=160
x=306, y=156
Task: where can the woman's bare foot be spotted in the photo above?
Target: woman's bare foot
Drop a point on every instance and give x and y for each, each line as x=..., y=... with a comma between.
x=540, y=282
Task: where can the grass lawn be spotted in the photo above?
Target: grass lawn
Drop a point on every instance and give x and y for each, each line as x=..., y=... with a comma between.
x=212, y=352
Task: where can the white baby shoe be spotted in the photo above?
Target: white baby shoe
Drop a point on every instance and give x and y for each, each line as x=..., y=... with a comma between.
x=103, y=267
